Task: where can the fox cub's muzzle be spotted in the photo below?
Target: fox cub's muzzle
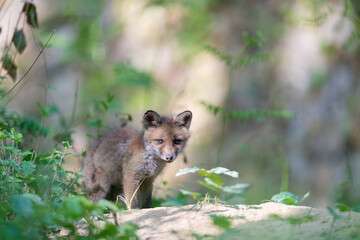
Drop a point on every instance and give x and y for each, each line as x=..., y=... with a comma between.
x=170, y=158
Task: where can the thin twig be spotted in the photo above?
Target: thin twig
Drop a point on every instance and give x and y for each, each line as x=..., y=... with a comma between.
x=46, y=85
x=226, y=104
x=72, y=183
x=60, y=161
x=32, y=65
x=75, y=103
x=33, y=74
x=2, y=5
x=115, y=219
x=43, y=118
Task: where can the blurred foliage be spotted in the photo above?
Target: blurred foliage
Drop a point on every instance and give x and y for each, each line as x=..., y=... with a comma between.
x=127, y=76
x=214, y=183
x=289, y=198
x=117, y=85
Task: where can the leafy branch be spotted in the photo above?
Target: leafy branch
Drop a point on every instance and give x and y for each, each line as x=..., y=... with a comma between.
x=212, y=180
x=242, y=59
x=18, y=40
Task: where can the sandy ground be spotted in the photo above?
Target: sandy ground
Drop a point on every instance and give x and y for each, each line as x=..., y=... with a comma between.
x=266, y=221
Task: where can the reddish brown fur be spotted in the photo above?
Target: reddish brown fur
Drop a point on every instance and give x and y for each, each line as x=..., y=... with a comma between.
x=124, y=157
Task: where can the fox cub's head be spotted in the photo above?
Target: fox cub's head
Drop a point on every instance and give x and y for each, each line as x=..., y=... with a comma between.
x=166, y=136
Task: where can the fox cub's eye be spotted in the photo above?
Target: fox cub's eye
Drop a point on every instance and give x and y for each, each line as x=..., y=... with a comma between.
x=177, y=141
x=159, y=141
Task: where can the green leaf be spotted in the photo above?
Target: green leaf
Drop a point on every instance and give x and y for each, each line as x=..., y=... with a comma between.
x=195, y=195
x=239, y=188
x=129, y=231
x=222, y=56
x=27, y=168
x=212, y=183
x=110, y=205
x=304, y=197
x=9, y=66
x=257, y=40
x=26, y=153
x=109, y=97
x=127, y=75
x=333, y=213
x=285, y=198
x=342, y=207
x=5, y=209
x=12, y=149
x=47, y=110
x=204, y=172
x=109, y=231
x=3, y=134
x=259, y=57
x=356, y=208
x=209, y=186
x=225, y=171
x=56, y=190
x=216, y=179
x=17, y=137
x=31, y=17
x=73, y=208
x=212, y=108
x=95, y=123
x=34, y=198
x=66, y=144
x=19, y=40
x=22, y=206
x=41, y=109
x=186, y=171
x=104, y=104
x=221, y=221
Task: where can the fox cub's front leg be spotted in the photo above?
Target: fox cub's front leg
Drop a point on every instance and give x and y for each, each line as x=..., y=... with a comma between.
x=130, y=185
x=145, y=192
x=138, y=189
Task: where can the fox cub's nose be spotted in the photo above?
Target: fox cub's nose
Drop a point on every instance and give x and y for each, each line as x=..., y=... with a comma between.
x=169, y=157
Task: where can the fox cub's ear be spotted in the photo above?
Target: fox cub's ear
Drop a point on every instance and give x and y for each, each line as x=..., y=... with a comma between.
x=184, y=119
x=151, y=119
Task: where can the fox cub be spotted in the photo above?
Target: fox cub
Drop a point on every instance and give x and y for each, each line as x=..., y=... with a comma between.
x=124, y=158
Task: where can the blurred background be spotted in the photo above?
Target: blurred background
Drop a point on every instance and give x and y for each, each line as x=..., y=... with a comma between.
x=273, y=85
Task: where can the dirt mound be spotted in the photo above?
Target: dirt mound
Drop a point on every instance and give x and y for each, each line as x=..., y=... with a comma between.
x=266, y=221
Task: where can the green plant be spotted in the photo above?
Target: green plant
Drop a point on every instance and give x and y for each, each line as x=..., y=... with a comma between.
x=25, y=171
x=346, y=196
x=242, y=59
x=289, y=198
x=221, y=221
x=335, y=217
x=128, y=203
x=18, y=40
x=39, y=197
x=294, y=220
x=35, y=218
x=213, y=181
x=170, y=197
